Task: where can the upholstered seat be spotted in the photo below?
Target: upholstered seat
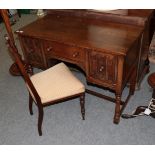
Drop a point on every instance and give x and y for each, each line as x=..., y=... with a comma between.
x=55, y=83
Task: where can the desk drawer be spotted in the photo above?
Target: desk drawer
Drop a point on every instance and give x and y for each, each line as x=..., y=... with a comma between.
x=64, y=51
x=103, y=68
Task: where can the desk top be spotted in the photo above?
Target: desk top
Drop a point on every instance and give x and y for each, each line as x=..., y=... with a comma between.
x=91, y=34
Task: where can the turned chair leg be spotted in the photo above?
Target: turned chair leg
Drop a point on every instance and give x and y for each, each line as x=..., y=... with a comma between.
x=30, y=104
x=40, y=120
x=82, y=104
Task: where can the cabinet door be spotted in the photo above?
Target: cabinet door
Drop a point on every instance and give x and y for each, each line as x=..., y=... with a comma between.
x=103, y=68
x=32, y=49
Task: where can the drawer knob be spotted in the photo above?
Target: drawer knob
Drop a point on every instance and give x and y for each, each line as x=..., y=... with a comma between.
x=75, y=54
x=31, y=50
x=101, y=68
x=49, y=49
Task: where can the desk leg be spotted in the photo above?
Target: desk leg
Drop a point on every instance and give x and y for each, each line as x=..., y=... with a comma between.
x=117, y=109
x=118, y=93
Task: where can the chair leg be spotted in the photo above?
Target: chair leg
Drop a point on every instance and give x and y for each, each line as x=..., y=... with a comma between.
x=82, y=104
x=30, y=104
x=40, y=120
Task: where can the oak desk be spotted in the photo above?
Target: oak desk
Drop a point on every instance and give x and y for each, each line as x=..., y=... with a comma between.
x=106, y=52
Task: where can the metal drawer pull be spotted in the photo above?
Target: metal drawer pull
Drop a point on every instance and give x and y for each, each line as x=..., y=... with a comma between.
x=101, y=69
x=75, y=54
x=49, y=49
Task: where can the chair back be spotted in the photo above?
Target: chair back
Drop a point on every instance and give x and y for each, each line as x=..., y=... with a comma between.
x=22, y=67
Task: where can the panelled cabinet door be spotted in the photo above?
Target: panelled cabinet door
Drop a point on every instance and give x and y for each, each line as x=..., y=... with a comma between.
x=33, y=54
x=103, y=68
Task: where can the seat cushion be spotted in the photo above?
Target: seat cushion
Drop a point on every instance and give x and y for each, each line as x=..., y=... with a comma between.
x=56, y=82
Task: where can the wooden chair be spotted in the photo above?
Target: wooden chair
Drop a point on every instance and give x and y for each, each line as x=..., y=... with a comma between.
x=48, y=87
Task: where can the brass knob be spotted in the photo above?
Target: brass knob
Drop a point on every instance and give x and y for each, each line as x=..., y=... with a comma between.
x=75, y=54
x=31, y=50
x=49, y=49
x=101, y=68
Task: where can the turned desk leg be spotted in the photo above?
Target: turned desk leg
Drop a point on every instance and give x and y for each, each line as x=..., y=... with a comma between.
x=118, y=93
x=117, y=109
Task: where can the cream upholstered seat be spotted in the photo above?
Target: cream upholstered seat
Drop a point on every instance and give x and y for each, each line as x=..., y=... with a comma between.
x=55, y=83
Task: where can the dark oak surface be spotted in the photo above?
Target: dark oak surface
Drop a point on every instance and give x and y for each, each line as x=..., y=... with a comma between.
x=112, y=37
